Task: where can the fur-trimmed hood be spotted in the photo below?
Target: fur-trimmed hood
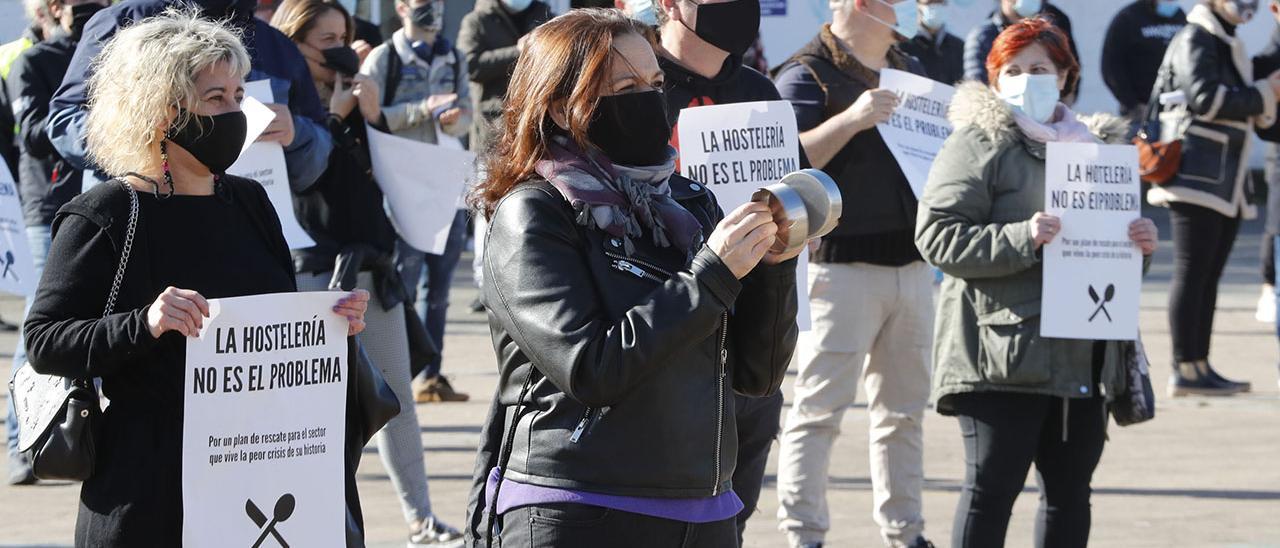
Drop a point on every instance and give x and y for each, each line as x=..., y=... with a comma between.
x=975, y=104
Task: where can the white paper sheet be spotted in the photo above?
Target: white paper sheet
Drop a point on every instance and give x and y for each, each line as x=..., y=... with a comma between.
x=739, y=148
x=422, y=184
x=263, y=432
x=1092, y=271
x=264, y=163
x=918, y=127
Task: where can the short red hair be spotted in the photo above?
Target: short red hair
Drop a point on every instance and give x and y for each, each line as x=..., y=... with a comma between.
x=1033, y=30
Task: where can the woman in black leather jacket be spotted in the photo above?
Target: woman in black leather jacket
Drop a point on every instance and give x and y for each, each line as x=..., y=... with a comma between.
x=1212, y=103
x=624, y=307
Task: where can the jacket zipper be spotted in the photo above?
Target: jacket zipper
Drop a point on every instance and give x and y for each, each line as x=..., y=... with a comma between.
x=632, y=266
x=724, y=358
x=628, y=264
x=582, y=426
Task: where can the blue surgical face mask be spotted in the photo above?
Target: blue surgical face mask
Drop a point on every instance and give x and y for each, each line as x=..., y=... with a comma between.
x=643, y=11
x=905, y=12
x=517, y=6
x=1036, y=95
x=933, y=16
x=1167, y=8
x=1027, y=8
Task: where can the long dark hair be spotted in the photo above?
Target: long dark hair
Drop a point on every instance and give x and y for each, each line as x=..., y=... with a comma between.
x=566, y=64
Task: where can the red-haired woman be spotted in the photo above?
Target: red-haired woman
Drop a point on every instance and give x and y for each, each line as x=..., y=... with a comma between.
x=1020, y=398
x=626, y=309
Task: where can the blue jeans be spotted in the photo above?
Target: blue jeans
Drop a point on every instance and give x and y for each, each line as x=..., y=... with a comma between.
x=427, y=278
x=39, y=238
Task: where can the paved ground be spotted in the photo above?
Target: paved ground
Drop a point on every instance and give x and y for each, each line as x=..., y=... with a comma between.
x=1206, y=472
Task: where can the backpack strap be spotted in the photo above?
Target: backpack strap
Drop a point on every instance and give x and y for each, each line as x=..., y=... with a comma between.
x=394, y=67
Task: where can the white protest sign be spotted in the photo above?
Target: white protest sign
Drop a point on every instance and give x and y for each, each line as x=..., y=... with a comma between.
x=735, y=150
x=1092, y=271
x=17, y=273
x=423, y=202
x=264, y=163
x=916, y=130
x=263, y=430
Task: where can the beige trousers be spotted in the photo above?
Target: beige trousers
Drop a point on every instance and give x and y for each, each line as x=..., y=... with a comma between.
x=872, y=324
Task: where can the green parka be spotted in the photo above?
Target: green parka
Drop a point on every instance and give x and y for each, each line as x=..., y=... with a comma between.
x=974, y=225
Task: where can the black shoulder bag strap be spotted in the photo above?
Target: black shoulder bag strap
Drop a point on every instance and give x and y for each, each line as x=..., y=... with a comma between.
x=394, y=64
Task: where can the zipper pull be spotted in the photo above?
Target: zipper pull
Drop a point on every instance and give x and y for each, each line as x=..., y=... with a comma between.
x=724, y=356
x=626, y=266
x=582, y=427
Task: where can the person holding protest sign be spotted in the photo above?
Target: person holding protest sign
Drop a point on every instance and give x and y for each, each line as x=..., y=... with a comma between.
x=355, y=242
x=871, y=294
x=425, y=91
x=701, y=55
x=166, y=122
x=1020, y=398
x=626, y=309
x=1214, y=105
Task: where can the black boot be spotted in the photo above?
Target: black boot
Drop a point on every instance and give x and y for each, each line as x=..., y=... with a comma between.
x=1243, y=386
x=1193, y=379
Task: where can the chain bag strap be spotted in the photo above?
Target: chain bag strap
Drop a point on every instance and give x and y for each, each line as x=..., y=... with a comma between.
x=58, y=416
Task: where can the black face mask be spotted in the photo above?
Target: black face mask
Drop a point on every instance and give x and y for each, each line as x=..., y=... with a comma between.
x=214, y=141
x=427, y=16
x=80, y=15
x=632, y=129
x=342, y=59
x=729, y=26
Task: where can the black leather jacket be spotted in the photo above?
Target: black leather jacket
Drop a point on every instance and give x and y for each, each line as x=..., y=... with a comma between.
x=630, y=360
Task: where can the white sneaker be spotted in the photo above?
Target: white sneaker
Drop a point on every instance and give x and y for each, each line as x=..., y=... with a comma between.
x=436, y=534
x=1266, y=312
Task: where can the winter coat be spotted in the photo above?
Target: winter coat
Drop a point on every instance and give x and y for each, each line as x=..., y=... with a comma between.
x=630, y=361
x=1223, y=106
x=974, y=225
x=488, y=37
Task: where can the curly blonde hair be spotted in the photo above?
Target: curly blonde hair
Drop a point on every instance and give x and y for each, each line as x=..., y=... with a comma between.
x=145, y=75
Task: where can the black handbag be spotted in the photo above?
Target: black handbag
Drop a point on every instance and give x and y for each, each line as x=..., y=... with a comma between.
x=58, y=416
x=1137, y=401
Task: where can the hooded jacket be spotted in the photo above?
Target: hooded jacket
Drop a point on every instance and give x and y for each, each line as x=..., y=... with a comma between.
x=1224, y=104
x=272, y=54
x=986, y=183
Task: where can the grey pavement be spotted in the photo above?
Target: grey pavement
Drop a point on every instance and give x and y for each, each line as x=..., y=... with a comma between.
x=1204, y=473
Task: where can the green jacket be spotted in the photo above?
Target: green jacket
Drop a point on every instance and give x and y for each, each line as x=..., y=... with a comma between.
x=974, y=225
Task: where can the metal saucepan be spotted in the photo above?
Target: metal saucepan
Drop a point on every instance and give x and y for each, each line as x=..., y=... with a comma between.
x=807, y=204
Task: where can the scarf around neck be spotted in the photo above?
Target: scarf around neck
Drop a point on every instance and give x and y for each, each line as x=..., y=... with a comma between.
x=1067, y=128
x=623, y=201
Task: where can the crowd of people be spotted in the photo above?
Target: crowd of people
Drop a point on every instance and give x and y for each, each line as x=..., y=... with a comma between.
x=641, y=331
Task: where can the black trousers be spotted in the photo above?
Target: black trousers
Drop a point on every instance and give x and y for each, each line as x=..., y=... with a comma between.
x=1202, y=240
x=758, y=424
x=1004, y=433
x=570, y=525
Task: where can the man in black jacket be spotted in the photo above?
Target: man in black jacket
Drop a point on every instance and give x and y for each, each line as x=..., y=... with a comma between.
x=700, y=73
x=941, y=52
x=871, y=293
x=1134, y=47
x=490, y=37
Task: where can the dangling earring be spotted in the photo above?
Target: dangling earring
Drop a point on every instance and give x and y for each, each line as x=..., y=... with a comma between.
x=168, y=177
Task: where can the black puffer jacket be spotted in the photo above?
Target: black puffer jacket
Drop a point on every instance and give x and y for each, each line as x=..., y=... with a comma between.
x=1224, y=103
x=632, y=360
